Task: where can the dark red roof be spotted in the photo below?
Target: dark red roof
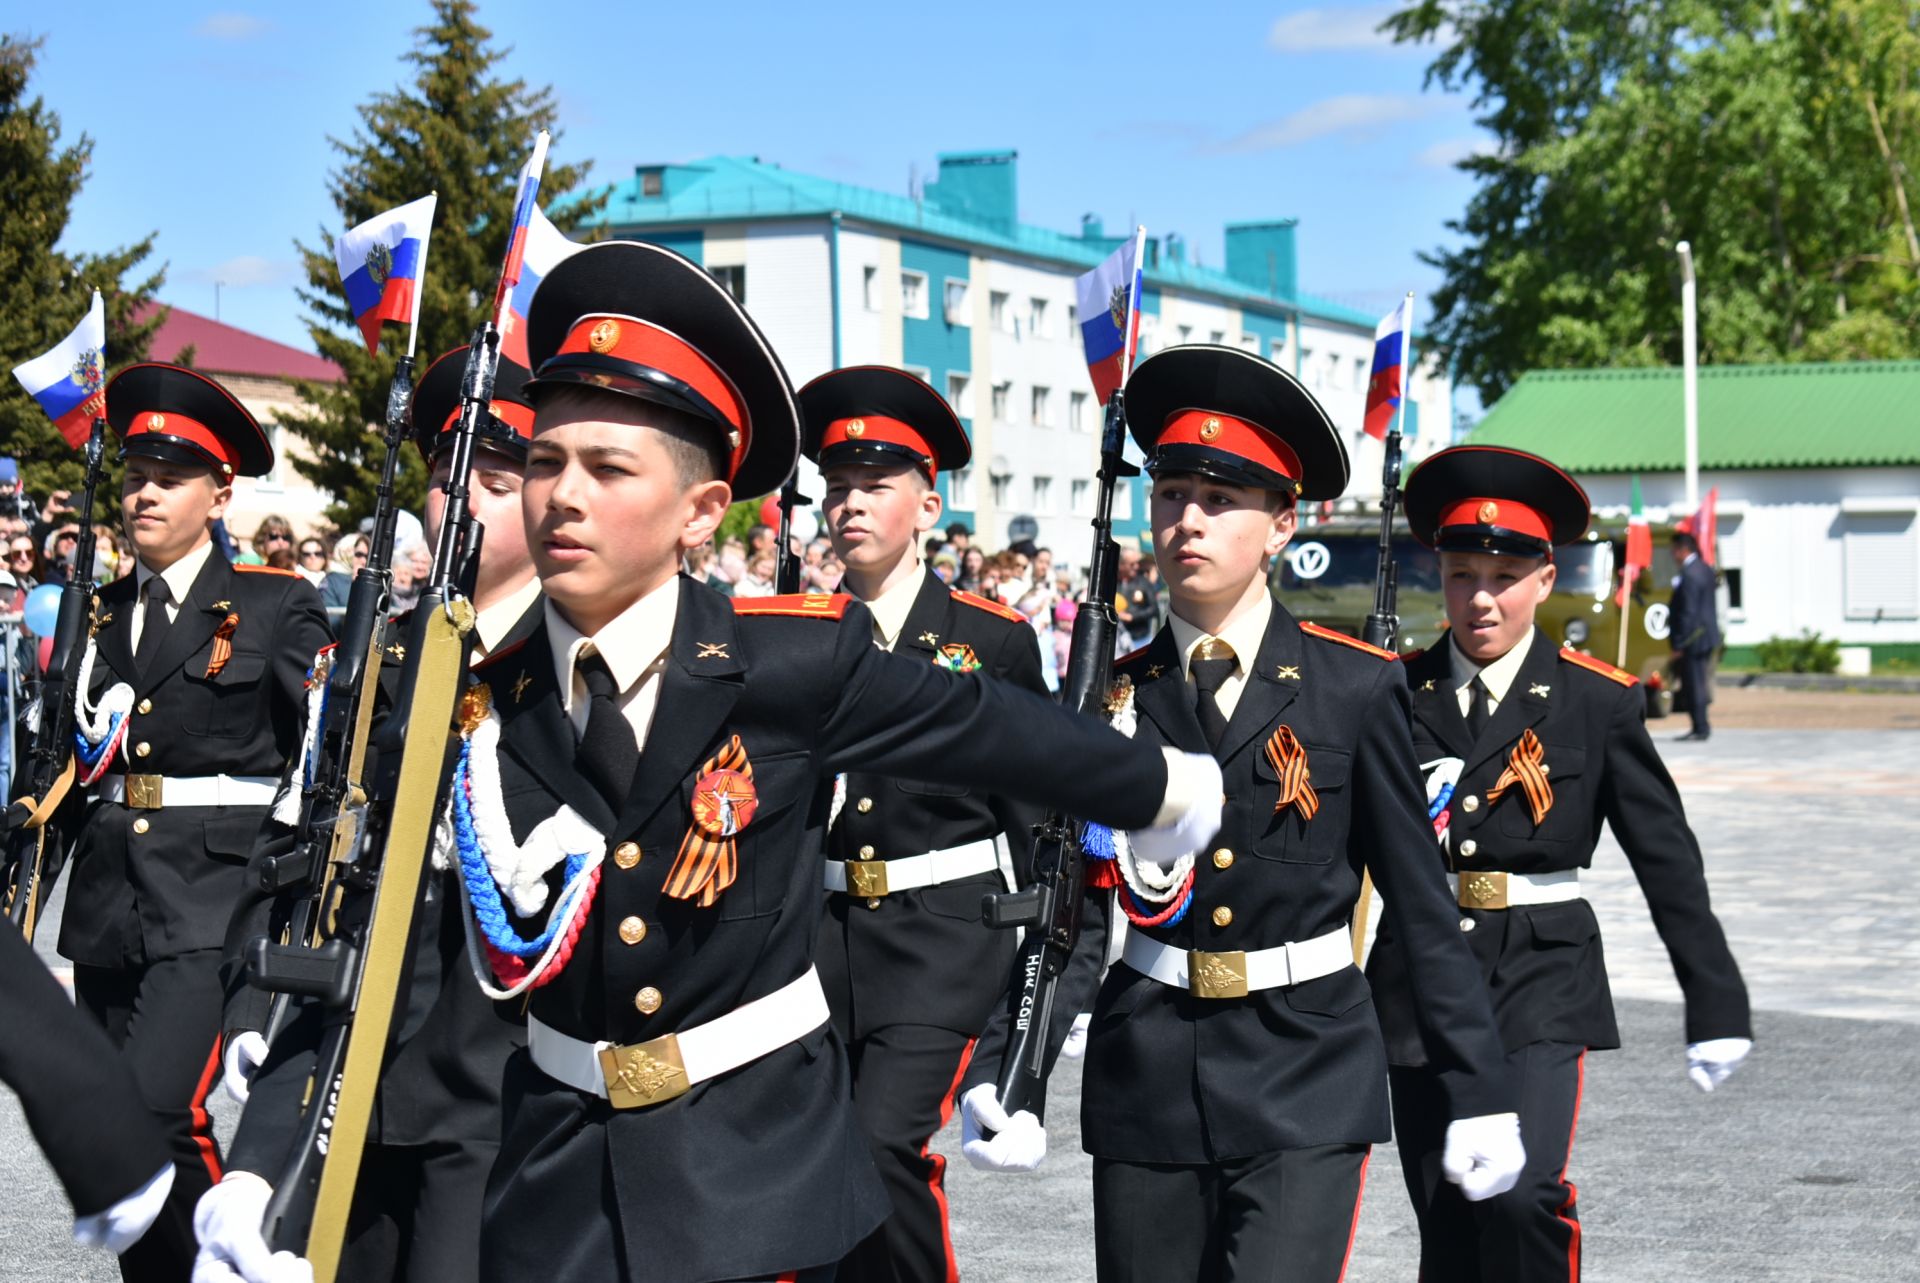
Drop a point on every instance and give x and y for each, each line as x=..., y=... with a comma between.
x=219, y=348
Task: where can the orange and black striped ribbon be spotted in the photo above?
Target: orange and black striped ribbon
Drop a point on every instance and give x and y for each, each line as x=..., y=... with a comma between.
x=1527, y=768
x=708, y=862
x=1289, y=760
x=223, y=644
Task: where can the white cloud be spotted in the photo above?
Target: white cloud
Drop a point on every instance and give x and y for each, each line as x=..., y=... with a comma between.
x=1359, y=115
x=1449, y=152
x=248, y=270
x=1344, y=27
x=232, y=26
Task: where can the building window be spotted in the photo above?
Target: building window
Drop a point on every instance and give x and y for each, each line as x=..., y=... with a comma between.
x=1073, y=317
x=1123, y=500
x=1080, y=496
x=1217, y=337
x=651, y=183
x=1277, y=351
x=735, y=279
x=1042, y=406
x=1882, y=565
x=1730, y=544
x=1077, y=418
x=920, y=372
x=1360, y=372
x=870, y=288
x=1043, y=494
x=960, y=394
x=1186, y=334
x=1002, y=392
x=1250, y=343
x=913, y=294
x=960, y=488
x=1309, y=370
x=997, y=314
x=275, y=479
x=1037, y=318
x=1002, y=490
x=956, y=302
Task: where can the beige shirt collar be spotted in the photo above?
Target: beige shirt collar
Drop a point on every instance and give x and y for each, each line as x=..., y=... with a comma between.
x=1498, y=675
x=179, y=576
x=1244, y=632
x=497, y=620
x=891, y=608
x=631, y=643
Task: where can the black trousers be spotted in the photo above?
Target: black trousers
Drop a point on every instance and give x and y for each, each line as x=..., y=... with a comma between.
x=416, y=1212
x=904, y=1078
x=1695, y=673
x=165, y=1019
x=1286, y=1217
x=1531, y=1233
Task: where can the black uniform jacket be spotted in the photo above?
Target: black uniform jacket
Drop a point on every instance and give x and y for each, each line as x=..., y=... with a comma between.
x=924, y=957
x=1693, y=625
x=762, y=1169
x=1171, y=1078
x=1542, y=964
x=140, y=896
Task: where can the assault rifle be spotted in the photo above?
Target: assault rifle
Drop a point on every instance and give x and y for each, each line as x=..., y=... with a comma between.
x=1050, y=908
x=787, y=575
x=1383, y=625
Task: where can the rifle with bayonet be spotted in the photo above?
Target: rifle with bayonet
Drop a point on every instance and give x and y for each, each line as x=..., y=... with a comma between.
x=1383, y=625
x=1050, y=908
x=49, y=767
x=786, y=578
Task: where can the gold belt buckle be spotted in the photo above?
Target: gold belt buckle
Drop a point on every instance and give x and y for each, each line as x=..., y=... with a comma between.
x=1217, y=975
x=143, y=792
x=1483, y=890
x=867, y=878
x=644, y=1073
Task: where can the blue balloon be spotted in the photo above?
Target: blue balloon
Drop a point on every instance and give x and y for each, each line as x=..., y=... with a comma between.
x=43, y=609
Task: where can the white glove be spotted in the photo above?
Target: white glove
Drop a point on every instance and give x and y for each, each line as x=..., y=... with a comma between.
x=1189, y=814
x=244, y=1056
x=227, y=1221
x=1710, y=1062
x=1019, y=1143
x=1483, y=1155
x=1076, y=1044
x=120, y=1226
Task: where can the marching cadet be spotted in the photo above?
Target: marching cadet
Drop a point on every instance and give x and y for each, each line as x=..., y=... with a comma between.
x=1527, y=748
x=192, y=698
x=436, y=1125
x=1235, y=1076
x=911, y=971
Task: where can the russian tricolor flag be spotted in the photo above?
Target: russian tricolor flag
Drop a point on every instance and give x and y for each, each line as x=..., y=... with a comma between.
x=1386, y=386
x=525, y=206
x=70, y=381
x=382, y=264
x=1109, y=304
x=544, y=247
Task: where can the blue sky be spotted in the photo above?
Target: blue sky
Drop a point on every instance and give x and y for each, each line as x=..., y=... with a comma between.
x=211, y=124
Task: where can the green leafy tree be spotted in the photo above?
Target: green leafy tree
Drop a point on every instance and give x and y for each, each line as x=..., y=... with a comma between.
x=45, y=291
x=460, y=129
x=1780, y=140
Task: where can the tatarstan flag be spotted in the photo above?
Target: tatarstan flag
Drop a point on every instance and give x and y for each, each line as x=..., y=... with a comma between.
x=1639, y=547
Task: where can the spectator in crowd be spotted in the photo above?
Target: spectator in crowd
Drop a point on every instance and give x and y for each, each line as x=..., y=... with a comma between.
x=959, y=537
x=349, y=554
x=274, y=531
x=945, y=565
x=1010, y=575
x=935, y=545
x=280, y=557
x=23, y=564
x=762, y=539
x=973, y=566
x=57, y=565
x=1138, y=603
x=1033, y=604
x=1065, y=611
x=109, y=559
x=758, y=581
x=412, y=567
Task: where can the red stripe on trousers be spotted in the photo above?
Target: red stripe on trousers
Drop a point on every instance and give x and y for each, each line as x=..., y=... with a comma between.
x=1353, y=1231
x=1573, y=1244
x=936, y=1180
x=202, y=1124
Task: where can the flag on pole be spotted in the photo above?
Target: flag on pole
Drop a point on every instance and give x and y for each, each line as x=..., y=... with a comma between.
x=382, y=264
x=1704, y=526
x=69, y=382
x=1639, y=553
x=525, y=206
x=1391, y=345
x=545, y=246
x=1109, y=305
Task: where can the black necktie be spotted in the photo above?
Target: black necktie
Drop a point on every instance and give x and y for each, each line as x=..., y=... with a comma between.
x=1477, y=715
x=607, y=755
x=1210, y=667
x=153, y=624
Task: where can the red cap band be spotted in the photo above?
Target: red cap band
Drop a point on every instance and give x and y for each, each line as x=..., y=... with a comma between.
x=1508, y=514
x=644, y=343
x=1234, y=436
x=512, y=413
x=869, y=429
x=179, y=425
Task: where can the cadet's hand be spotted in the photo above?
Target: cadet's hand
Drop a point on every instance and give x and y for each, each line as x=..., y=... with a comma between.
x=1076, y=1045
x=1189, y=814
x=1483, y=1155
x=227, y=1223
x=120, y=1226
x=244, y=1057
x=1710, y=1062
x=1019, y=1142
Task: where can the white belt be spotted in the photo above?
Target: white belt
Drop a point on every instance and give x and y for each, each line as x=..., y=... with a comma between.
x=1491, y=889
x=872, y=878
x=1236, y=974
x=647, y=1073
x=152, y=792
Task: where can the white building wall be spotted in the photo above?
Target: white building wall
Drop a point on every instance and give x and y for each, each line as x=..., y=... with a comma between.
x=789, y=293
x=869, y=335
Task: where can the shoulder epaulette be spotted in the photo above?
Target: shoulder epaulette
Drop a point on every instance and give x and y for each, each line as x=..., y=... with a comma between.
x=503, y=653
x=989, y=605
x=1333, y=635
x=1132, y=655
x=1408, y=656
x=800, y=605
x=1599, y=666
x=266, y=570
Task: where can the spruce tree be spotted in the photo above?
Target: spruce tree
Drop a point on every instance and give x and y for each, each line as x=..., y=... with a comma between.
x=44, y=291
x=463, y=130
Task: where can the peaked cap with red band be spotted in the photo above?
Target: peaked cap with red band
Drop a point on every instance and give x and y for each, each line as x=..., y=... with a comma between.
x=877, y=414
x=1223, y=413
x=436, y=408
x=177, y=415
x=1484, y=498
x=641, y=321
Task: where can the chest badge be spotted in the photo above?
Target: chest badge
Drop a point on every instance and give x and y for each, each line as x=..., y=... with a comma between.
x=712, y=650
x=957, y=657
x=931, y=639
x=1427, y=685
x=1287, y=673
x=724, y=800
x=1538, y=689
x=520, y=685
x=1155, y=670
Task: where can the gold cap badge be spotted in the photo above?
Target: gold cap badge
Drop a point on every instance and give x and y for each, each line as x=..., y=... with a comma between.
x=155, y=422
x=1209, y=429
x=1488, y=511
x=856, y=427
x=603, y=336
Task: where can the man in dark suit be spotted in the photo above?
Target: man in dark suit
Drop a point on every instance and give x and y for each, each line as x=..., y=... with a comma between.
x=1693, y=630
x=1235, y=1075
x=910, y=970
x=194, y=699
x=1528, y=749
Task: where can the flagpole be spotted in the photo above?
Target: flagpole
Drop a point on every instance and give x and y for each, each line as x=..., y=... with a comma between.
x=1626, y=613
x=420, y=282
x=510, y=272
x=1136, y=288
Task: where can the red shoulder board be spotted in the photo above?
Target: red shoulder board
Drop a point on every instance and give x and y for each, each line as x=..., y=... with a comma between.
x=1599, y=666
x=802, y=605
x=1333, y=635
x=1132, y=655
x=989, y=605
x=1408, y=656
x=498, y=655
x=266, y=570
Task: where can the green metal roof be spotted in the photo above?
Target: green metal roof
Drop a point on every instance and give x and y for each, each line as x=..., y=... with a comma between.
x=1817, y=415
x=720, y=188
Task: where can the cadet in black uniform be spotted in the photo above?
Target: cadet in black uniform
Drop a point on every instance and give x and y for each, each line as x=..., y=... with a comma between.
x=436, y=1122
x=194, y=699
x=1235, y=1076
x=1527, y=748
x=910, y=970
